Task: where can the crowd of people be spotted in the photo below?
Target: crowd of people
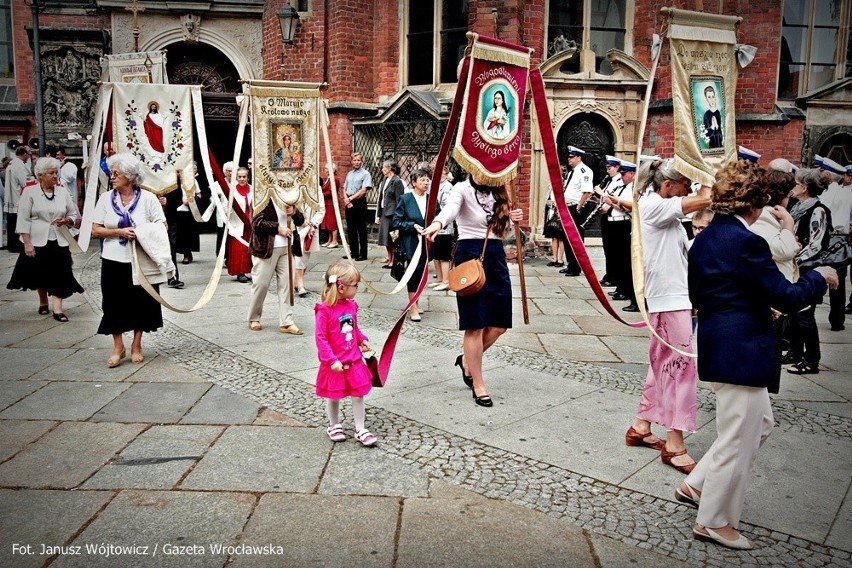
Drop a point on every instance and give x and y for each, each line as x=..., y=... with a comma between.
x=740, y=265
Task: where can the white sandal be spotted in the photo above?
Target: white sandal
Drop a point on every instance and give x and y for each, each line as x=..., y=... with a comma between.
x=366, y=438
x=335, y=433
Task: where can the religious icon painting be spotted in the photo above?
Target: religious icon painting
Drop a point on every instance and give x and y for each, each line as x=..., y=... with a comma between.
x=497, y=111
x=707, y=98
x=286, y=149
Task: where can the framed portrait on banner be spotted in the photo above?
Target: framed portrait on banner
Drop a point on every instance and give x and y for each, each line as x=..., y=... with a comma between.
x=498, y=111
x=708, y=109
x=287, y=145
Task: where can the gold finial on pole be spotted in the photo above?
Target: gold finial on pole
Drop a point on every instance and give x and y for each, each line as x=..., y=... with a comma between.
x=135, y=8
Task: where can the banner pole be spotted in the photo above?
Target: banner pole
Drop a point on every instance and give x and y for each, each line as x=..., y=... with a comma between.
x=519, y=248
x=647, y=103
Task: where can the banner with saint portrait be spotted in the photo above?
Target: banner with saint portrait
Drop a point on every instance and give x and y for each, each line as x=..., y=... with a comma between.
x=154, y=123
x=704, y=81
x=285, y=142
x=489, y=137
x=142, y=67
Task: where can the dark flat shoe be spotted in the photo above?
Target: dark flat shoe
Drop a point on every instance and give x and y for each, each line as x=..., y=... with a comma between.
x=468, y=380
x=618, y=296
x=607, y=283
x=800, y=368
x=630, y=308
x=59, y=316
x=43, y=310
x=790, y=358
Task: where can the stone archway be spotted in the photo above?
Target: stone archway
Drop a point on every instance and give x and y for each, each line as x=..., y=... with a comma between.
x=205, y=65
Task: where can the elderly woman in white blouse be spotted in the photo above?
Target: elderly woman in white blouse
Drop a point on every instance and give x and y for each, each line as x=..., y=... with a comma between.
x=126, y=307
x=45, y=263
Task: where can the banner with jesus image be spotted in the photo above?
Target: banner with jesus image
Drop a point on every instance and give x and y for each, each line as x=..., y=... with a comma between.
x=488, y=142
x=154, y=123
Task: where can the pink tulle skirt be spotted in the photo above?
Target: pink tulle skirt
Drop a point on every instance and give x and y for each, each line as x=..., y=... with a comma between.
x=354, y=381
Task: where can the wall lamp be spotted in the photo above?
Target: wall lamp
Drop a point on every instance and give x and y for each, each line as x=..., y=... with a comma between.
x=289, y=20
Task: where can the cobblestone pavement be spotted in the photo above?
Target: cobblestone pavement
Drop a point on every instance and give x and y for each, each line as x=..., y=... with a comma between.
x=630, y=516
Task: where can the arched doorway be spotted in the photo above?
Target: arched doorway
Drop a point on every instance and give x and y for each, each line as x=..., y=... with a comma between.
x=203, y=64
x=838, y=147
x=592, y=134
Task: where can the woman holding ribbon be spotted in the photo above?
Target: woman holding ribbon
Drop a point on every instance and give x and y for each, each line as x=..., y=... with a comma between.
x=409, y=218
x=126, y=306
x=482, y=214
x=45, y=263
x=668, y=397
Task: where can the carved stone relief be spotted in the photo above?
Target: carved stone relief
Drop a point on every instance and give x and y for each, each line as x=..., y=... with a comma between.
x=614, y=111
x=70, y=77
x=191, y=27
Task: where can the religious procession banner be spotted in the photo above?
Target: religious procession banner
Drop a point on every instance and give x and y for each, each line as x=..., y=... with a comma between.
x=154, y=123
x=488, y=142
x=285, y=119
x=144, y=67
x=704, y=82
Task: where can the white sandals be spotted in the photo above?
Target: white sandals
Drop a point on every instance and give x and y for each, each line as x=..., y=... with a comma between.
x=366, y=438
x=335, y=433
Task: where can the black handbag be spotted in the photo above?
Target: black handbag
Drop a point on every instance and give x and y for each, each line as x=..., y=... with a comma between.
x=400, y=260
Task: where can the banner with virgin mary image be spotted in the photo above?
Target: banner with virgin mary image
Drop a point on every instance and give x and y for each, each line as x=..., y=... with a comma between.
x=489, y=138
x=285, y=142
x=154, y=123
x=704, y=81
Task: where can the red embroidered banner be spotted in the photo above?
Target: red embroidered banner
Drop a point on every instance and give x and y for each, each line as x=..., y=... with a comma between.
x=489, y=141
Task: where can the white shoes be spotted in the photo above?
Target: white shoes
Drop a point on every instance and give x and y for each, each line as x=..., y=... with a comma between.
x=707, y=534
x=442, y=287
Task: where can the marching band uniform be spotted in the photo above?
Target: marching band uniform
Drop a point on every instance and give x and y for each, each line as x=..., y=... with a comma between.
x=578, y=188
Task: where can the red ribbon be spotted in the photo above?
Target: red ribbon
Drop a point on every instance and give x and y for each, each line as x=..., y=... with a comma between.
x=389, y=347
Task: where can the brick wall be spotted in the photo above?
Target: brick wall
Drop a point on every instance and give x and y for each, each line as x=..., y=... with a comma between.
x=21, y=20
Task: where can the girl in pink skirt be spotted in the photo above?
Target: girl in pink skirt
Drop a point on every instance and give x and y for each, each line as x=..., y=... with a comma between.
x=340, y=342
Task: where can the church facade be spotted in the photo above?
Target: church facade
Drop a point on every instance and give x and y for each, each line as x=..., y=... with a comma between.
x=390, y=69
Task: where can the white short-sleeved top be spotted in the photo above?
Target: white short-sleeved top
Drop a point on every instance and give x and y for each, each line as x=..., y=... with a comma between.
x=148, y=210
x=666, y=244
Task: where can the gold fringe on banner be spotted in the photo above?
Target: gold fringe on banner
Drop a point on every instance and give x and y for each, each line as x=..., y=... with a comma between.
x=468, y=164
x=488, y=52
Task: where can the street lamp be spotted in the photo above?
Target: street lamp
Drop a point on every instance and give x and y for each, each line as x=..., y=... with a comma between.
x=289, y=19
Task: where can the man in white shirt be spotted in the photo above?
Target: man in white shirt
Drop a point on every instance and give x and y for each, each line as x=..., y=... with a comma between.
x=578, y=188
x=18, y=173
x=68, y=174
x=838, y=199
